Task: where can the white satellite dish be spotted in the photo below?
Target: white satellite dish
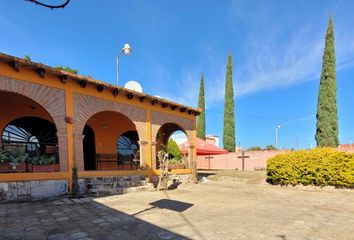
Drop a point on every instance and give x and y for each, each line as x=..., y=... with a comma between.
x=133, y=85
x=158, y=96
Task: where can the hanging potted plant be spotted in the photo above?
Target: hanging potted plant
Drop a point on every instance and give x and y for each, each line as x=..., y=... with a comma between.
x=43, y=163
x=13, y=161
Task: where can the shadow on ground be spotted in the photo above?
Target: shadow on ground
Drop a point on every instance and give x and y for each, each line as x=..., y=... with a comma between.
x=70, y=219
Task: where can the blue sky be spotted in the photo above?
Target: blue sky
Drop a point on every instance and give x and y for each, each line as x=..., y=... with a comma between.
x=276, y=46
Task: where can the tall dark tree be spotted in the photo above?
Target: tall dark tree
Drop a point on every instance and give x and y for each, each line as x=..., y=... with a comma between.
x=229, y=116
x=327, y=118
x=201, y=105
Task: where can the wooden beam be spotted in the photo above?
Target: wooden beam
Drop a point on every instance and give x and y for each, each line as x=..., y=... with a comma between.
x=154, y=102
x=173, y=107
x=190, y=112
x=182, y=110
x=16, y=65
x=83, y=83
x=41, y=72
x=130, y=96
x=63, y=78
x=164, y=105
x=100, y=88
x=142, y=98
x=115, y=92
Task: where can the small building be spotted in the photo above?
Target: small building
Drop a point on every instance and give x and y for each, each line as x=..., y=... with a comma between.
x=52, y=120
x=213, y=139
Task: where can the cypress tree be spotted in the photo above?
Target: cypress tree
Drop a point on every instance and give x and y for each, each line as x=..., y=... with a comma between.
x=327, y=118
x=229, y=116
x=201, y=105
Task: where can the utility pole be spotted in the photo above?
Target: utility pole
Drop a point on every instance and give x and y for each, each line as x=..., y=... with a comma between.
x=276, y=136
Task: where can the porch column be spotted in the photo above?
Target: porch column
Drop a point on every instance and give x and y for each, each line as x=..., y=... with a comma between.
x=78, y=150
x=62, y=148
x=190, y=156
x=153, y=155
x=142, y=150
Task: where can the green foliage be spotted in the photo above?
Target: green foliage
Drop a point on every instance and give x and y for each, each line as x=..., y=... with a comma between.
x=229, y=116
x=270, y=147
x=254, y=148
x=201, y=105
x=43, y=160
x=17, y=156
x=68, y=69
x=173, y=151
x=74, y=182
x=4, y=156
x=320, y=167
x=327, y=118
x=27, y=58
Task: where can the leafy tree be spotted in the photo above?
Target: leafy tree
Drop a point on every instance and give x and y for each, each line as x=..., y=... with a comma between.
x=327, y=118
x=201, y=105
x=173, y=150
x=229, y=118
x=254, y=148
x=68, y=69
x=270, y=147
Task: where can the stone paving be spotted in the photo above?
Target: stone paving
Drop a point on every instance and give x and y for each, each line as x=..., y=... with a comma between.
x=227, y=205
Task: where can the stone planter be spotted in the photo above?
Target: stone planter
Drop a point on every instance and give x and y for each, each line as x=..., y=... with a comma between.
x=7, y=167
x=45, y=168
x=177, y=166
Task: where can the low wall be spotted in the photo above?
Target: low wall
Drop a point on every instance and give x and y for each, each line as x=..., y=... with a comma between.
x=256, y=160
x=32, y=189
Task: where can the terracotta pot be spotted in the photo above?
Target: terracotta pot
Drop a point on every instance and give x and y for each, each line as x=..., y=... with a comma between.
x=7, y=167
x=43, y=168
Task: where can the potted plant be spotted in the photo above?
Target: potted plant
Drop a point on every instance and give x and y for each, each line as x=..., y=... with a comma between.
x=43, y=163
x=4, y=158
x=13, y=161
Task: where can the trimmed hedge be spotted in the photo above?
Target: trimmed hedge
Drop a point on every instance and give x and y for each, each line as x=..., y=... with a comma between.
x=320, y=167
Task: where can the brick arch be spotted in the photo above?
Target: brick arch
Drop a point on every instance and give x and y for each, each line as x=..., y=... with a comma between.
x=52, y=100
x=87, y=106
x=159, y=119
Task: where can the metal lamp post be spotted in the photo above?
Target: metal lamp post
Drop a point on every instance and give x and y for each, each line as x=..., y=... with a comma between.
x=126, y=50
x=276, y=136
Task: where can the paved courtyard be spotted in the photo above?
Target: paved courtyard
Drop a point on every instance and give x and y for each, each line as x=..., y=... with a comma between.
x=228, y=205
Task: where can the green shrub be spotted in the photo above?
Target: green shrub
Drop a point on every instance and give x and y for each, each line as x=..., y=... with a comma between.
x=17, y=156
x=270, y=147
x=254, y=148
x=43, y=160
x=320, y=167
x=174, y=152
x=3, y=156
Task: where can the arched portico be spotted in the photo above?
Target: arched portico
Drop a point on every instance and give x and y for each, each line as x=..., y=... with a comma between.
x=33, y=100
x=85, y=110
x=163, y=126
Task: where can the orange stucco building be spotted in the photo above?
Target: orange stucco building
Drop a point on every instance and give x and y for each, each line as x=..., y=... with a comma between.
x=103, y=129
